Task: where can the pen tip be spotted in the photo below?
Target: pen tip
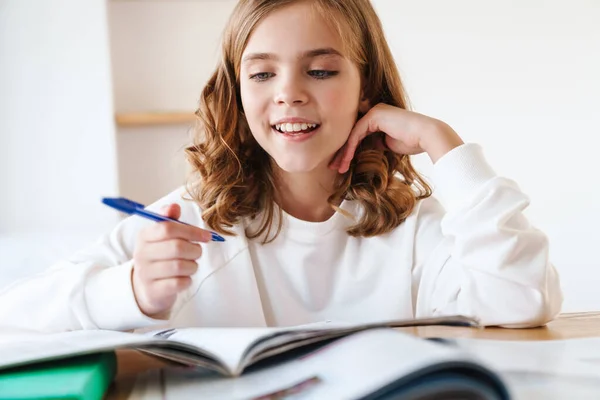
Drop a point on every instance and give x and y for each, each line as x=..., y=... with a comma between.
x=217, y=238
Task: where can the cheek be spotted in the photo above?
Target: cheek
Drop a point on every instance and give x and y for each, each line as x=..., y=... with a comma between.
x=341, y=105
x=253, y=105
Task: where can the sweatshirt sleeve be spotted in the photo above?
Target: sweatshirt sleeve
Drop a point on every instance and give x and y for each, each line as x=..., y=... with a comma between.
x=476, y=254
x=89, y=290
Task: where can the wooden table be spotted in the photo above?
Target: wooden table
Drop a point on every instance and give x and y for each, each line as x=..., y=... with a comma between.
x=130, y=363
x=566, y=326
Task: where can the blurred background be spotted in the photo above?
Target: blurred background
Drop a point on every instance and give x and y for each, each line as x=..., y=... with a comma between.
x=96, y=99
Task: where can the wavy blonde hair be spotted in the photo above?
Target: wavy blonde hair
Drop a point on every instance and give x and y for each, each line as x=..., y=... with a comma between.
x=232, y=176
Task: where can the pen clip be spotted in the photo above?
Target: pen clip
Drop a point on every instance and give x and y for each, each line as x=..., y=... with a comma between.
x=122, y=204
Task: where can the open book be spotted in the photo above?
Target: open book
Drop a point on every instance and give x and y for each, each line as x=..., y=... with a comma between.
x=225, y=350
x=372, y=364
x=231, y=351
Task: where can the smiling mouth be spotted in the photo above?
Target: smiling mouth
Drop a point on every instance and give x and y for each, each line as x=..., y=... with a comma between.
x=295, y=128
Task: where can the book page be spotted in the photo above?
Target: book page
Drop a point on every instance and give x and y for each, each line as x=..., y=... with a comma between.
x=28, y=347
x=232, y=346
x=351, y=367
x=571, y=357
x=225, y=344
x=238, y=347
x=553, y=369
x=527, y=385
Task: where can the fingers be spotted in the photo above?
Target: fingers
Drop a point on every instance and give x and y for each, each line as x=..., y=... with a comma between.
x=171, y=211
x=169, y=269
x=171, y=250
x=172, y=230
x=363, y=127
x=337, y=159
x=356, y=136
x=163, y=261
x=169, y=288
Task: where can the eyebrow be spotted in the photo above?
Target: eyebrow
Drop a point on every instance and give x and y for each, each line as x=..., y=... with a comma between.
x=326, y=51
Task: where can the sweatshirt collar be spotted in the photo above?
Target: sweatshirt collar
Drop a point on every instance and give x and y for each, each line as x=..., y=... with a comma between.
x=294, y=228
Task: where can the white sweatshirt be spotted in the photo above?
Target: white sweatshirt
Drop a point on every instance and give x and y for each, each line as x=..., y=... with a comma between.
x=480, y=258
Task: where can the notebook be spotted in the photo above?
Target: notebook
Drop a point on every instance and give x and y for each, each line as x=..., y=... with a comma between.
x=76, y=378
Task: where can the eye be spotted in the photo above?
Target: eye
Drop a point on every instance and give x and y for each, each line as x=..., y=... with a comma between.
x=262, y=76
x=322, y=74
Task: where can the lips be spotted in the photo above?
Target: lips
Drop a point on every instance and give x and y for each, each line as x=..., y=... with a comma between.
x=299, y=136
x=296, y=128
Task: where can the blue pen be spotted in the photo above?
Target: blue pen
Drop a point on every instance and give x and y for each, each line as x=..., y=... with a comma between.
x=131, y=207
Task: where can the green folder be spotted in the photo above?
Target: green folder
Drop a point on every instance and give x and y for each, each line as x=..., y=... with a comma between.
x=78, y=378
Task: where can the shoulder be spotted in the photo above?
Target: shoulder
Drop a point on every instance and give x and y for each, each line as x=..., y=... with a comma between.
x=424, y=222
x=427, y=210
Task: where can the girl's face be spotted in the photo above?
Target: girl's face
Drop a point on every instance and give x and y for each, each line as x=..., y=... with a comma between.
x=300, y=94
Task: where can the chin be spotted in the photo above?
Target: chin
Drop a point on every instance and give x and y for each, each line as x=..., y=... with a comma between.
x=297, y=166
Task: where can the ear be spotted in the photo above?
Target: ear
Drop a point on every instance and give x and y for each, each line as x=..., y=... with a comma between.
x=364, y=104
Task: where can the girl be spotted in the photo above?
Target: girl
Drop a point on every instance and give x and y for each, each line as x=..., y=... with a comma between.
x=301, y=161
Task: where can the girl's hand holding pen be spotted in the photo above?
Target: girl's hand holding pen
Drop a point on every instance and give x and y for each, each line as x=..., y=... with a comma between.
x=164, y=259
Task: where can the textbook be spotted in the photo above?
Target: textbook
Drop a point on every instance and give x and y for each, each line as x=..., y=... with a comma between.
x=231, y=352
x=376, y=364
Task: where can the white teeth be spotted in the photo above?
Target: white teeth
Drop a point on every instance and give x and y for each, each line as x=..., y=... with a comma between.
x=294, y=128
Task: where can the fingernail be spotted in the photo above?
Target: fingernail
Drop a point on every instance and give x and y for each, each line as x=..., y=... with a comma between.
x=215, y=237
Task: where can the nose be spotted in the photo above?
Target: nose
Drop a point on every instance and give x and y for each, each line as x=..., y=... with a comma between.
x=291, y=92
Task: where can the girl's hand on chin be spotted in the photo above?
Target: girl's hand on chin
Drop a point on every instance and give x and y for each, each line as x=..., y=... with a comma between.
x=406, y=132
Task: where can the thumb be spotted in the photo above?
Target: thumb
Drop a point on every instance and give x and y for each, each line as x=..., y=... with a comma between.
x=171, y=211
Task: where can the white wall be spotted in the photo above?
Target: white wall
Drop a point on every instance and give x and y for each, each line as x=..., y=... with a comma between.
x=521, y=78
x=162, y=53
x=57, y=144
